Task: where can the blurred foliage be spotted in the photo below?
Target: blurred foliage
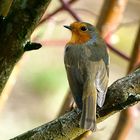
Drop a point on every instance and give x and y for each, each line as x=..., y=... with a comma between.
x=127, y=35
x=44, y=71
x=51, y=80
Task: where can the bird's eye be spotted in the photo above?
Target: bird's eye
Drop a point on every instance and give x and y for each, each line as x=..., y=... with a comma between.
x=83, y=28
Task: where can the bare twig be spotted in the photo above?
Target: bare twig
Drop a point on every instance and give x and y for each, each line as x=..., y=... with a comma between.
x=110, y=16
x=72, y=13
x=48, y=16
x=116, y=51
x=135, y=53
x=67, y=104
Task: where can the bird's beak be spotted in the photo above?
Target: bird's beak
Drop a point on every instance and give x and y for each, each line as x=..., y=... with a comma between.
x=68, y=27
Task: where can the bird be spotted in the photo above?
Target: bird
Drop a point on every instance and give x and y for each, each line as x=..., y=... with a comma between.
x=86, y=62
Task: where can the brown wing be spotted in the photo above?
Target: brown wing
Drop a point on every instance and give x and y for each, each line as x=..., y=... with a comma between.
x=74, y=77
x=75, y=86
x=101, y=83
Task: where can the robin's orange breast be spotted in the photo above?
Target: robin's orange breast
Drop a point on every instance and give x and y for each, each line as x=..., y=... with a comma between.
x=79, y=38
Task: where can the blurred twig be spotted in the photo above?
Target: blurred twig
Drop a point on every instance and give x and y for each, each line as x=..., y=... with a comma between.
x=121, y=94
x=48, y=16
x=135, y=56
x=124, y=124
x=110, y=16
x=9, y=86
x=67, y=104
x=119, y=53
x=72, y=13
x=88, y=11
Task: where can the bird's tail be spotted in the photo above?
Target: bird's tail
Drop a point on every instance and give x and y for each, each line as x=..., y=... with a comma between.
x=88, y=117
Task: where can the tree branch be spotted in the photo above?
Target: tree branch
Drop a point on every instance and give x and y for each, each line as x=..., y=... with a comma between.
x=121, y=94
x=16, y=28
x=5, y=6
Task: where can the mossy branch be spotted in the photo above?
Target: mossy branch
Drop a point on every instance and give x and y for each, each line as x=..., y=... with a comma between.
x=121, y=94
x=16, y=28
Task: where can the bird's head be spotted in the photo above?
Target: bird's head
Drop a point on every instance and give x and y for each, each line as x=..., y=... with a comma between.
x=81, y=32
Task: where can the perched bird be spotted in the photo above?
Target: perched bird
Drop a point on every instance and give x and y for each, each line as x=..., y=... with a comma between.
x=86, y=61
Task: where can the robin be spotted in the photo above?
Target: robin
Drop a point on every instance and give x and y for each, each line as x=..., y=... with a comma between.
x=86, y=61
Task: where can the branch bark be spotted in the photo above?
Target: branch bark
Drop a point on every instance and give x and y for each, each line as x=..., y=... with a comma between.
x=15, y=30
x=5, y=6
x=121, y=94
